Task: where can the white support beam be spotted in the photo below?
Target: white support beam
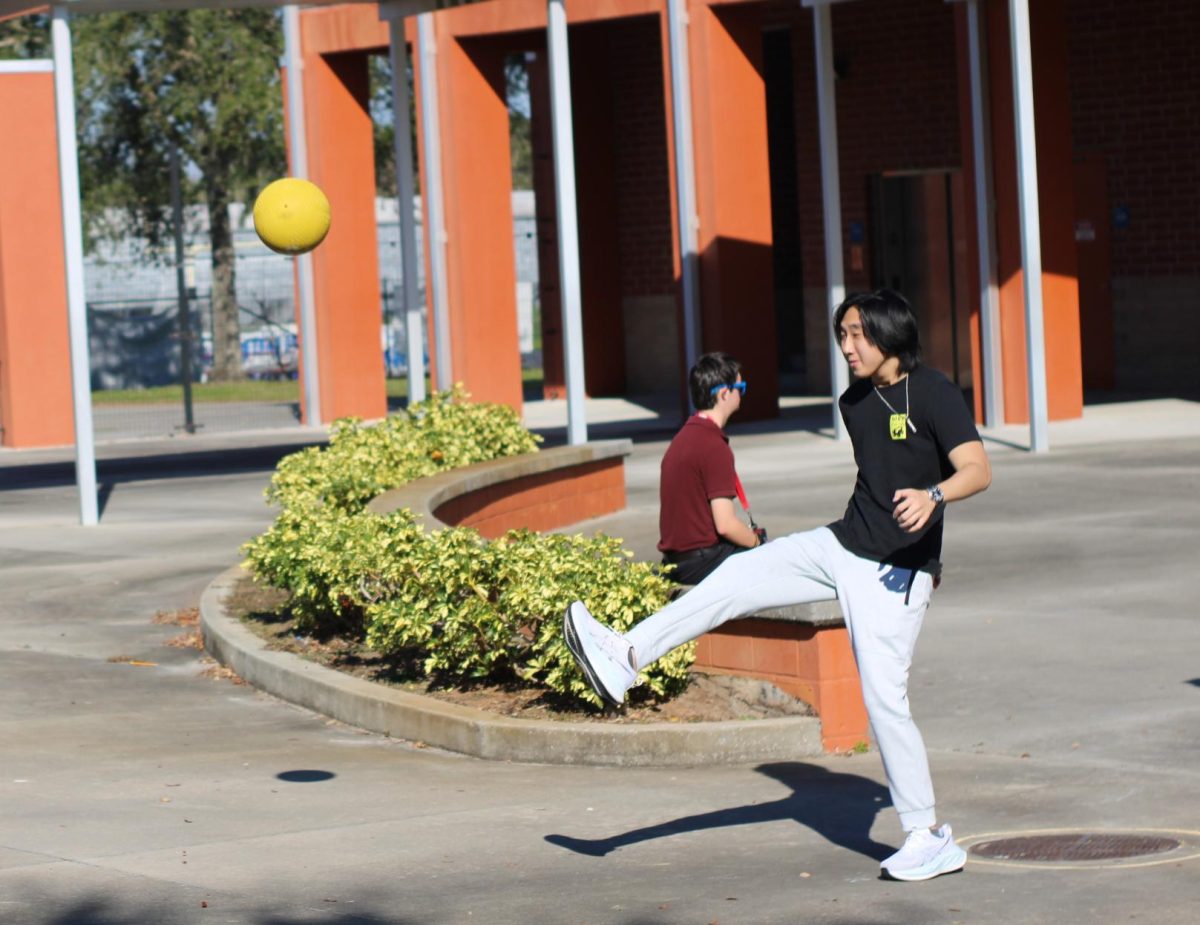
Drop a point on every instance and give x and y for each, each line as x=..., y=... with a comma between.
x=1031, y=238
x=413, y=328
x=28, y=66
x=685, y=179
x=434, y=202
x=298, y=149
x=835, y=280
x=568, y=230
x=989, y=294
x=72, y=219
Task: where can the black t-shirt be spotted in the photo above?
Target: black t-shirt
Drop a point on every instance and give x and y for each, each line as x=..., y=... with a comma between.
x=937, y=409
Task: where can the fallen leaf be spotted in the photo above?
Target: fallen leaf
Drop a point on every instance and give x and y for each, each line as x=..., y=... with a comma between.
x=189, y=616
x=192, y=640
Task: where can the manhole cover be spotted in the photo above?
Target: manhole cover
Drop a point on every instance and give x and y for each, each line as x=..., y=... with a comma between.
x=1074, y=846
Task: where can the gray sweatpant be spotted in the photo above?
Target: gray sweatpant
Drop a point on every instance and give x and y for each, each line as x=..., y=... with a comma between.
x=883, y=616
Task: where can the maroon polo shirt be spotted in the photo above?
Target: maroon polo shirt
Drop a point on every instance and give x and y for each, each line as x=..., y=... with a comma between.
x=697, y=467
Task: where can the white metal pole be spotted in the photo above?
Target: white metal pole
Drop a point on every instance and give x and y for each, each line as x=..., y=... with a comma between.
x=68, y=172
x=568, y=231
x=1031, y=239
x=435, y=221
x=685, y=178
x=835, y=284
x=298, y=143
x=989, y=296
x=414, y=330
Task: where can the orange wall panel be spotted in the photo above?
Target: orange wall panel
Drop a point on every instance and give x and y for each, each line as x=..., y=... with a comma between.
x=477, y=185
x=1060, y=290
x=341, y=161
x=517, y=15
x=343, y=28
x=35, y=369
x=734, y=197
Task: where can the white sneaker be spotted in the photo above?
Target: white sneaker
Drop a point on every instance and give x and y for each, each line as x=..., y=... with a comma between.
x=925, y=855
x=602, y=653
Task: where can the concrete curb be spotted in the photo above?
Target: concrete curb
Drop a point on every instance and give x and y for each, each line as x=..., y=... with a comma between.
x=381, y=709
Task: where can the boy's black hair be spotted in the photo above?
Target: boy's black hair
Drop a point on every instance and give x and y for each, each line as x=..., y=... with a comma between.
x=889, y=323
x=711, y=370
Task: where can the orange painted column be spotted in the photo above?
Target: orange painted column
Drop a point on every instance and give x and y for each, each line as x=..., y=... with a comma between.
x=341, y=160
x=477, y=185
x=35, y=365
x=1064, y=369
x=734, y=197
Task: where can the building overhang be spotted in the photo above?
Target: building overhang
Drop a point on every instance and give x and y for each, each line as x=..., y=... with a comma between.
x=13, y=8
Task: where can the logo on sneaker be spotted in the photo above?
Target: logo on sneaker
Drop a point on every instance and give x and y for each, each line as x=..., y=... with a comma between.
x=601, y=652
x=925, y=855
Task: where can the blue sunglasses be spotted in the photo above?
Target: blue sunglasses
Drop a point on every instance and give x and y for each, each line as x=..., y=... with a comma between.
x=740, y=386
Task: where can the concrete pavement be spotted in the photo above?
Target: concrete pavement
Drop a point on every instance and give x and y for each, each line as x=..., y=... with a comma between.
x=1057, y=684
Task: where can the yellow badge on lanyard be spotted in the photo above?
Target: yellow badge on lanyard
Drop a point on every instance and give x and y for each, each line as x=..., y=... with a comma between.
x=898, y=426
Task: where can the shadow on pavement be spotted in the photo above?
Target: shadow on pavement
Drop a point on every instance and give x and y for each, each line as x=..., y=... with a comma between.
x=839, y=807
x=136, y=468
x=1115, y=396
x=101, y=912
x=810, y=418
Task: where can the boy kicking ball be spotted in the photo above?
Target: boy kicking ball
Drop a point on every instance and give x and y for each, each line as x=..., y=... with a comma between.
x=917, y=450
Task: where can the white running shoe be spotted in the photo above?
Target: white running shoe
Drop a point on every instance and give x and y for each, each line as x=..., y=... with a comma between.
x=925, y=855
x=602, y=653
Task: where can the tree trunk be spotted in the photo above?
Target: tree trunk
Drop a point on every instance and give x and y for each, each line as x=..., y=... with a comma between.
x=227, y=346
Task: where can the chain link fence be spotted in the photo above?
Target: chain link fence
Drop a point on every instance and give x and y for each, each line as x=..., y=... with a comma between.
x=135, y=335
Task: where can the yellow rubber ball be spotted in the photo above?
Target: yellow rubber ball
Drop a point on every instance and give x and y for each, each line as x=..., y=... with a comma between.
x=291, y=215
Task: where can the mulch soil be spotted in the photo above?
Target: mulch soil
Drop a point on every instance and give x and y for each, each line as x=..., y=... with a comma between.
x=707, y=697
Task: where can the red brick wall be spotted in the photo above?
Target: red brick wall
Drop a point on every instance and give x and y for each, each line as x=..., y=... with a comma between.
x=1135, y=99
x=813, y=663
x=540, y=502
x=641, y=158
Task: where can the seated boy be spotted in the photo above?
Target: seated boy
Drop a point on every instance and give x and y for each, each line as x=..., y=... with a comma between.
x=697, y=523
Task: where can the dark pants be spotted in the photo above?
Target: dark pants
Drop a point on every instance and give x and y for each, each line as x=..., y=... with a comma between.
x=693, y=566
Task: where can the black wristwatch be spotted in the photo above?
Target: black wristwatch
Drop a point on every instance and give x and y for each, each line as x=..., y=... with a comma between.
x=935, y=494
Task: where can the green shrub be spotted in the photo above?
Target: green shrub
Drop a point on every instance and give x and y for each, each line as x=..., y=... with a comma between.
x=474, y=610
x=542, y=574
x=363, y=460
x=327, y=558
x=494, y=610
